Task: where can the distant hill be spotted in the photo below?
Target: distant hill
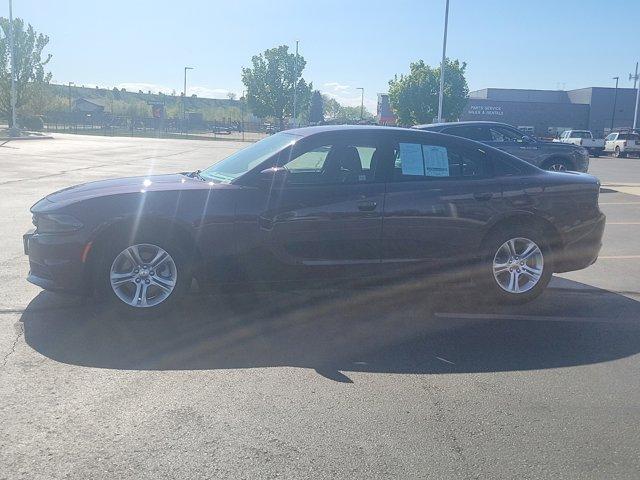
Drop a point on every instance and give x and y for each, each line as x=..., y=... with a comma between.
x=124, y=102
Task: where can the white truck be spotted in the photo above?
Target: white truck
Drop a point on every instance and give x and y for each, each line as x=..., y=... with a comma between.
x=584, y=139
x=622, y=144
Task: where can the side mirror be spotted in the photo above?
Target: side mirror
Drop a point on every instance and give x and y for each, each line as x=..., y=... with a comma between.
x=273, y=176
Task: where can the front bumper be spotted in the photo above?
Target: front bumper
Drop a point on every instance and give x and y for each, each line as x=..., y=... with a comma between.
x=583, y=248
x=55, y=261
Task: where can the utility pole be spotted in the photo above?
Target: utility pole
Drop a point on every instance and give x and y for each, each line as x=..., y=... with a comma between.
x=635, y=81
x=13, y=131
x=184, y=98
x=444, y=55
x=295, y=87
x=615, y=99
x=361, y=103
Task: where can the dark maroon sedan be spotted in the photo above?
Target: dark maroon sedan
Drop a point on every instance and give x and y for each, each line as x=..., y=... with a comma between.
x=319, y=201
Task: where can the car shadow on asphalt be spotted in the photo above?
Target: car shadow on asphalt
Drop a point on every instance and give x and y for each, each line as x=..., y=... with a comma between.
x=398, y=328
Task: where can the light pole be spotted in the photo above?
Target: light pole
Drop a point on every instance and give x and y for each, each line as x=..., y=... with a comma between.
x=295, y=87
x=615, y=99
x=444, y=54
x=636, y=77
x=184, y=97
x=361, y=103
x=13, y=131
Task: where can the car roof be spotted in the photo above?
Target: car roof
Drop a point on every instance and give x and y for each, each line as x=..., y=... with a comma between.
x=307, y=131
x=453, y=124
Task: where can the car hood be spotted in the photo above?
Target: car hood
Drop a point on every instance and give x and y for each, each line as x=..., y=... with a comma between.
x=560, y=145
x=118, y=186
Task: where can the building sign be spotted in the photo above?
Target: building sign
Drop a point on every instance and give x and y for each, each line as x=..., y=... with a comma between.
x=485, y=110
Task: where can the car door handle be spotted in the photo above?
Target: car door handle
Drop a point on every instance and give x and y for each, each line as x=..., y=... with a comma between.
x=483, y=196
x=367, y=206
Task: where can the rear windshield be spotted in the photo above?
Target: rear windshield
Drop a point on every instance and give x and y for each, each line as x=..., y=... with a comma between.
x=628, y=136
x=580, y=134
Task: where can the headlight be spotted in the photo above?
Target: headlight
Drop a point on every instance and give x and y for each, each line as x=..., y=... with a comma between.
x=55, y=223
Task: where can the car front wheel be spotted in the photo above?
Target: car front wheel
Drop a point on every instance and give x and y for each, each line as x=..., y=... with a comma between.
x=517, y=267
x=143, y=278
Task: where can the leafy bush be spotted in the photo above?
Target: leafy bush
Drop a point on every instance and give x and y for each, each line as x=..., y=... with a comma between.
x=32, y=122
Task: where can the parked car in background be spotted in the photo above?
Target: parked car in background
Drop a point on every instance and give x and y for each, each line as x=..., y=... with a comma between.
x=344, y=201
x=621, y=144
x=584, y=139
x=552, y=156
x=221, y=130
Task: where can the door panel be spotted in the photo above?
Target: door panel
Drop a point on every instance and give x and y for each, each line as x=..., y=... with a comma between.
x=325, y=225
x=439, y=201
x=437, y=220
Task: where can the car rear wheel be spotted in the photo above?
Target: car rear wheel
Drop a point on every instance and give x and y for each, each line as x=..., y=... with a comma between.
x=517, y=267
x=145, y=277
x=617, y=153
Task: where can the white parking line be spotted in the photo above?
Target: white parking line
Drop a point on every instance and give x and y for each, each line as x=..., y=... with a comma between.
x=618, y=257
x=623, y=223
x=529, y=318
x=619, y=203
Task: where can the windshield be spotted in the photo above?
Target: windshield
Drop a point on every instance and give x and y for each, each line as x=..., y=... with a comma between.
x=244, y=160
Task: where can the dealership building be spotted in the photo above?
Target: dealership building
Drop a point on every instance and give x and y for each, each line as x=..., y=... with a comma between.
x=546, y=113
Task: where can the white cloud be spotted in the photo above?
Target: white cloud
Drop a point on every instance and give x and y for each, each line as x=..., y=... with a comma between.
x=336, y=87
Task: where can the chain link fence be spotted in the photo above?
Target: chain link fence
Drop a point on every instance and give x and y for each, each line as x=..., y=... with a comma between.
x=190, y=127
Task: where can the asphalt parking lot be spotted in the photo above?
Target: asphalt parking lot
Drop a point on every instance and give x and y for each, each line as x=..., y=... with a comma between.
x=376, y=382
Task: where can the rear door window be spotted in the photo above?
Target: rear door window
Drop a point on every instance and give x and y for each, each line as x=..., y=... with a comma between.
x=420, y=161
x=472, y=132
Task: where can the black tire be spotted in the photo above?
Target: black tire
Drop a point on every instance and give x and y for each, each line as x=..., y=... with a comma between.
x=489, y=283
x=617, y=153
x=105, y=293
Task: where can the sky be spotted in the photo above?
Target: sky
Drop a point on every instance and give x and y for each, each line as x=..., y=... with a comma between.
x=541, y=44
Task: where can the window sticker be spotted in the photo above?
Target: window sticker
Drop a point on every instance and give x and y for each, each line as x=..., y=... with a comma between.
x=436, y=161
x=411, y=158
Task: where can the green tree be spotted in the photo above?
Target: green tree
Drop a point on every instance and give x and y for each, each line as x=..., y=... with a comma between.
x=30, y=75
x=271, y=82
x=414, y=97
x=316, y=110
x=337, y=113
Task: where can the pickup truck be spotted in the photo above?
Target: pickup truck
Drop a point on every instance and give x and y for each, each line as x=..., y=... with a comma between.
x=622, y=144
x=584, y=139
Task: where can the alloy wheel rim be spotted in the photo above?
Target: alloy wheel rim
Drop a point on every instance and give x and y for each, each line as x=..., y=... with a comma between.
x=518, y=265
x=143, y=275
x=558, y=167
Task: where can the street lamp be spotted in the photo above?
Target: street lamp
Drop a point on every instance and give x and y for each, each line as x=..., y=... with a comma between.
x=361, y=103
x=13, y=131
x=615, y=99
x=184, y=95
x=444, y=54
x=636, y=77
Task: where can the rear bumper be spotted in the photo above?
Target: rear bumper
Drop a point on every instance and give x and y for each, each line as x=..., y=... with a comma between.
x=583, y=248
x=595, y=149
x=55, y=261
